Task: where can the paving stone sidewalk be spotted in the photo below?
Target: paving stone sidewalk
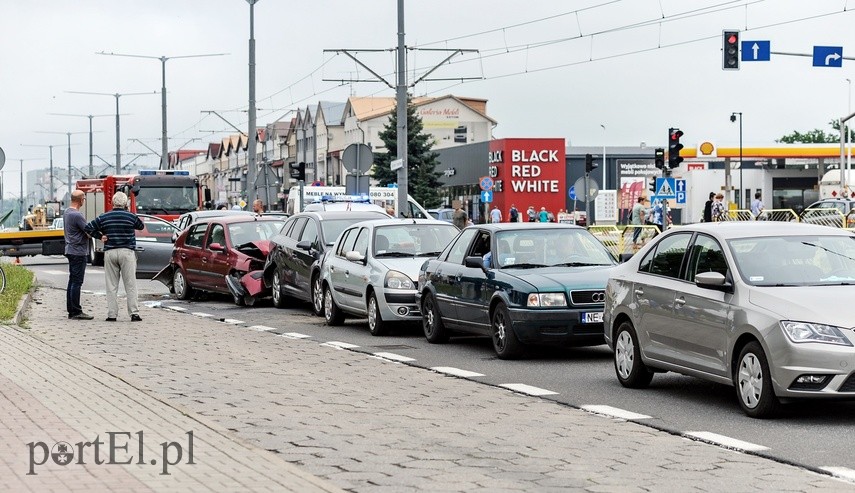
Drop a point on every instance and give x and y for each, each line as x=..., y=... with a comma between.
x=372, y=425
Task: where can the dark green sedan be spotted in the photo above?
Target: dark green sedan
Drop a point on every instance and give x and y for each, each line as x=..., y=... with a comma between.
x=520, y=283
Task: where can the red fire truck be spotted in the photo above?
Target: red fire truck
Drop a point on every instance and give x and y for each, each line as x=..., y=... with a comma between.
x=163, y=193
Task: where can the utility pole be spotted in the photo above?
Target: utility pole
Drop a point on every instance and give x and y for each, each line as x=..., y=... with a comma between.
x=401, y=96
x=52, y=191
x=91, y=169
x=163, y=60
x=68, y=135
x=118, y=138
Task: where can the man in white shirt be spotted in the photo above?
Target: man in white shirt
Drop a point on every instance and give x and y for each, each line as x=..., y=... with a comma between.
x=495, y=215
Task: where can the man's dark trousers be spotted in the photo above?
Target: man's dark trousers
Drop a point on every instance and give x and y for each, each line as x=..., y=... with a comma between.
x=76, y=271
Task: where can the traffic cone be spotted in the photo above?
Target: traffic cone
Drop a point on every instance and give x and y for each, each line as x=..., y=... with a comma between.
x=17, y=261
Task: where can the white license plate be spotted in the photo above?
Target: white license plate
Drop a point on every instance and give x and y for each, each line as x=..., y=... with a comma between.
x=592, y=317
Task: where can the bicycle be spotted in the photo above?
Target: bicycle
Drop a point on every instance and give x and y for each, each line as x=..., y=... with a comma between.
x=2, y=279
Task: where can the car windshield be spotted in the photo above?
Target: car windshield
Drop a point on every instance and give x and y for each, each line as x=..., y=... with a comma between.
x=241, y=233
x=412, y=239
x=166, y=200
x=334, y=227
x=550, y=248
x=795, y=260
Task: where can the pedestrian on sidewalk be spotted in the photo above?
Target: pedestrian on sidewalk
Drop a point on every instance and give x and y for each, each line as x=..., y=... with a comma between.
x=76, y=250
x=257, y=206
x=116, y=230
x=495, y=215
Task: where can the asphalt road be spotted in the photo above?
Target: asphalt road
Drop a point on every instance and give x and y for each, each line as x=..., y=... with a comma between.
x=815, y=434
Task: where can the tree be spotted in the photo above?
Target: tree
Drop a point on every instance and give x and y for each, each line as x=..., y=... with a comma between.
x=815, y=136
x=423, y=179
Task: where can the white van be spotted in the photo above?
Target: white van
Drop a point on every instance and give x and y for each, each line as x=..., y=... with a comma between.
x=382, y=196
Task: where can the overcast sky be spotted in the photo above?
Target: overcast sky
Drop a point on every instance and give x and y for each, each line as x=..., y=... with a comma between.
x=547, y=68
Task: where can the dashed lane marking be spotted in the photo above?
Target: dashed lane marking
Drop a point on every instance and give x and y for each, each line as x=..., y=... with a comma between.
x=261, y=328
x=840, y=472
x=724, y=441
x=339, y=345
x=232, y=321
x=176, y=308
x=614, y=412
x=394, y=357
x=527, y=389
x=200, y=314
x=457, y=372
x=294, y=335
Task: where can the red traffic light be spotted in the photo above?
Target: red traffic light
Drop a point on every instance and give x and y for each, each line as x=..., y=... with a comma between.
x=732, y=39
x=676, y=134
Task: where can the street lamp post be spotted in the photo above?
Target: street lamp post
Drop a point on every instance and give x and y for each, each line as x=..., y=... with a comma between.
x=848, y=136
x=163, y=59
x=733, y=119
x=118, y=139
x=604, y=156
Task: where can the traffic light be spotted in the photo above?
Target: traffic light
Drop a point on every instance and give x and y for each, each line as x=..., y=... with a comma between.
x=674, y=147
x=730, y=50
x=298, y=171
x=651, y=185
x=659, y=154
x=589, y=163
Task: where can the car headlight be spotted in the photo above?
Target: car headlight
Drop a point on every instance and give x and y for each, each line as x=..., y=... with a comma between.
x=398, y=280
x=810, y=332
x=547, y=300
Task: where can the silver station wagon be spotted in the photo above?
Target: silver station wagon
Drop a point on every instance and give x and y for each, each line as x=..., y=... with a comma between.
x=757, y=305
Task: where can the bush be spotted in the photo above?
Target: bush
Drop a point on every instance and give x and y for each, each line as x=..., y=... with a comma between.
x=19, y=280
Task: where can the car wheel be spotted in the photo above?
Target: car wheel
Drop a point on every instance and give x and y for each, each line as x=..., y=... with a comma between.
x=317, y=296
x=276, y=289
x=631, y=371
x=180, y=286
x=505, y=342
x=431, y=321
x=332, y=313
x=376, y=325
x=754, y=383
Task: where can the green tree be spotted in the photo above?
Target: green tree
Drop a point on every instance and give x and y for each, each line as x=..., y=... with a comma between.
x=423, y=179
x=815, y=136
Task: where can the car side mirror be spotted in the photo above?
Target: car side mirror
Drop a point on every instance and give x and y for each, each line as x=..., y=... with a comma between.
x=305, y=245
x=217, y=247
x=475, y=262
x=174, y=237
x=355, y=257
x=712, y=280
x=625, y=257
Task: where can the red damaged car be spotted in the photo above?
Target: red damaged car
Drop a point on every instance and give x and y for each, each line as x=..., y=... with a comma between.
x=222, y=255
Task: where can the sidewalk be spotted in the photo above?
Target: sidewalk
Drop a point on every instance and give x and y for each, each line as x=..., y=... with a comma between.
x=358, y=422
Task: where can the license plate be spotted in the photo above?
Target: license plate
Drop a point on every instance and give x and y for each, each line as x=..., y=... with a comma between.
x=592, y=317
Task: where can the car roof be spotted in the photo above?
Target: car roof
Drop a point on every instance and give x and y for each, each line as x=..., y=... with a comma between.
x=322, y=215
x=243, y=218
x=523, y=226
x=215, y=213
x=753, y=229
x=397, y=222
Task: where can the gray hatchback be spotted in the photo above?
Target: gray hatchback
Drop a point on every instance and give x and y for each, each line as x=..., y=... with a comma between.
x=757, y=305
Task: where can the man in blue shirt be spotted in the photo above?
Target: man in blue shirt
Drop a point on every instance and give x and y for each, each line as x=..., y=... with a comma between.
x=76, y=250
x=116, y=228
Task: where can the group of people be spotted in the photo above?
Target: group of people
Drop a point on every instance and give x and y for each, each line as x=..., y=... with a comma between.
x=643, y=214
x=715, y=209
x=514, y=216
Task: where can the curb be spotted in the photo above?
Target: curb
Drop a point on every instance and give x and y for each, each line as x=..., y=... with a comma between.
x=24, y=305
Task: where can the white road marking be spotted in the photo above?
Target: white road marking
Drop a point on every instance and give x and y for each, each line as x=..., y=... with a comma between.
x=294, y=335
x=527, y=389
x=394, y=357
x=175, y=308
x=200, y=314
x=232, y=321
x=840, y=472
x=339, y=345
x=56, y=272
x=152, y=304
x=261, y=328
x=614, y=412
x=457, y=372
x=724, y=441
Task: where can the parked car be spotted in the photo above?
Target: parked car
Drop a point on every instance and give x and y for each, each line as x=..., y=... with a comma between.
x=154, y=245
x=293, y=269
x=188, y=218
x=58, y=223
x=520, y=283
x=442, y=214
x=372, y=268
x=224, y=254
x=753, y=305
x=834, y=212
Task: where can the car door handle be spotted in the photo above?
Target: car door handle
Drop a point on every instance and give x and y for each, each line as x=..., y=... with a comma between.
x=183, y=256
x=139, y=249
x=204, y=260
x=680, y=302
x=639, y=292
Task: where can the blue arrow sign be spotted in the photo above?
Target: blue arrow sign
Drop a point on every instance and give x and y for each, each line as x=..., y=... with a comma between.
x=680, y=186
x=572, y=193
x=486, y=196
x=756, y=51
x=827, y=56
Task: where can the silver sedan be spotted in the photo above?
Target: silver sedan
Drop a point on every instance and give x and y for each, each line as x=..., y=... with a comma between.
x=372, y=270
x=760, y=306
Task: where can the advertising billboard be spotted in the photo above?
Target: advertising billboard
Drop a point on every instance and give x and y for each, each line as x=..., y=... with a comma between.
x=528, y=172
